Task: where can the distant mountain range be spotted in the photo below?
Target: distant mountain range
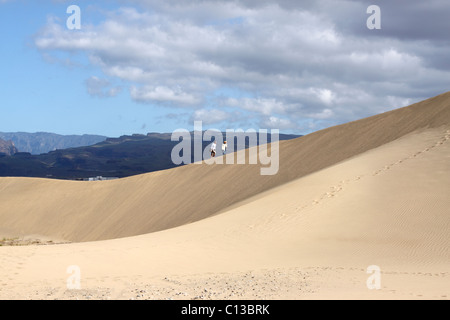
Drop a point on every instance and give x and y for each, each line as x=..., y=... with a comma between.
x=7, y=148
x=114, y=157
x=43, y=142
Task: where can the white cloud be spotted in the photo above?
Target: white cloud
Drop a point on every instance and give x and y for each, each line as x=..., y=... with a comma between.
x=163, y=95
x=101, y=87
x=324, y=114
x=211, y=116
x=263, y=106
x=277, y=123
x=297, y=61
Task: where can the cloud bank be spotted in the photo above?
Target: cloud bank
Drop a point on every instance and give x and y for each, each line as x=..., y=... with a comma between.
x=277, y=64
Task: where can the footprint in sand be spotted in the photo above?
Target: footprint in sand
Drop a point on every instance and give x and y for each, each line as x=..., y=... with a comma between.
x=377, y=172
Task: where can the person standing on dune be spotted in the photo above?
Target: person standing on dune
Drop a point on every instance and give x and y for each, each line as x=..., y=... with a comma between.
x=213, y=149
x=224, y=147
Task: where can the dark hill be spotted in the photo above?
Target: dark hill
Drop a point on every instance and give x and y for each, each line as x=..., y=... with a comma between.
x=114, y=157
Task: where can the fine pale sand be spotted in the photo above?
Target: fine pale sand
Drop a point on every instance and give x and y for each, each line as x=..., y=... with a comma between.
x=369, y=193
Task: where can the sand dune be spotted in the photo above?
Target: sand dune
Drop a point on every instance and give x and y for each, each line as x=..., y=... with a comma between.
x=372, y=192
x=311, y=238
x=79, y=211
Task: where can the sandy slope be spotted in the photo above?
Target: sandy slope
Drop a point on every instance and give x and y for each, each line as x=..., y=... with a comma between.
x=371, y=192
x=79, y=211
x=313, y=237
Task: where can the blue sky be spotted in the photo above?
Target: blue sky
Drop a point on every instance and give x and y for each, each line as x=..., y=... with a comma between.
x=155, y=66
x=44, y=95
